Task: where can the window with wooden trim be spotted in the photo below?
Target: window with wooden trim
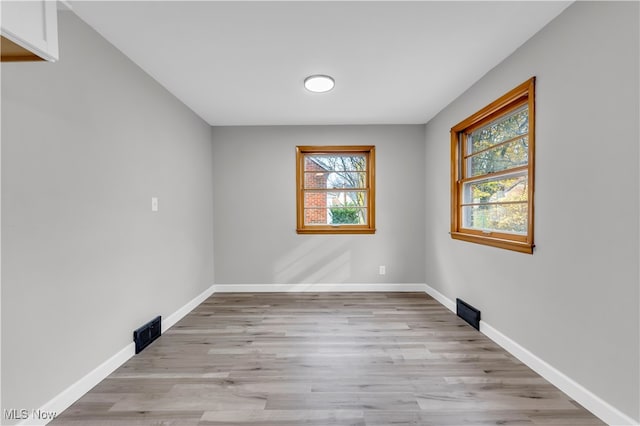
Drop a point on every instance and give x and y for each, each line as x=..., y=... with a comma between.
x=492, y=171
x=335, y=189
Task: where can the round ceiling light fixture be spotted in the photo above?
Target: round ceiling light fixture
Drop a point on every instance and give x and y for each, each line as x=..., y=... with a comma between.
x=319, y=83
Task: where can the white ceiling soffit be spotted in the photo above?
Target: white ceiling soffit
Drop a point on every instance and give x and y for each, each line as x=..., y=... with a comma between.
x=244, y=63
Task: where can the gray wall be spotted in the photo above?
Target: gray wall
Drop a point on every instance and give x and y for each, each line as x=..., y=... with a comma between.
x=574, y=302
x=255, y=214
x=86, y=143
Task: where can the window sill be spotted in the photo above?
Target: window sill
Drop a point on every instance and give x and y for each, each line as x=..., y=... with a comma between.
x=335, y=230
x=522, y=247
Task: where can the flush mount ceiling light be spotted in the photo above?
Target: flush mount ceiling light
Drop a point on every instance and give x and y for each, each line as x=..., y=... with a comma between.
x=319, y=83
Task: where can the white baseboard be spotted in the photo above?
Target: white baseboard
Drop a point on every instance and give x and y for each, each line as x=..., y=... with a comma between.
x=596, y=405
x=576, y=391
x=64, y=399
x=74, y=392
x=170, y=321
x=444, y=300
x=316, y=287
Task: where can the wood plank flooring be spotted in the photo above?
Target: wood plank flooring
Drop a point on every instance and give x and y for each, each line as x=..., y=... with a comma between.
x=357, y=359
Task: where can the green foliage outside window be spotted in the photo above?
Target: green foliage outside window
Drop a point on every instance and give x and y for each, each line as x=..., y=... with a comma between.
x=345, y=215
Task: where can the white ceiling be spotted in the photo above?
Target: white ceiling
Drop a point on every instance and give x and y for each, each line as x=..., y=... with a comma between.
x=243, y=63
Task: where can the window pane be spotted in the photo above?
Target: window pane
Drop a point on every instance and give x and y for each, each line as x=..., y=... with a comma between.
x=323, y=180
x=348, y=215
x=333, y=162
x=347, y=199
x=336, y=216
x=316, y=216
x=314, y=199
x=503, y=157
x=340, y=207
x=505, y=128
x=501, y=189
x=511, y=218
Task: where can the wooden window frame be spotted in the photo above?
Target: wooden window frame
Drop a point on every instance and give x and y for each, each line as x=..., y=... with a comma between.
x=369, y=227
x=519, y=96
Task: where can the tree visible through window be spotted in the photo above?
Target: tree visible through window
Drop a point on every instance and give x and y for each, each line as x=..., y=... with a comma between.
x=335, y=189
x=492, y=173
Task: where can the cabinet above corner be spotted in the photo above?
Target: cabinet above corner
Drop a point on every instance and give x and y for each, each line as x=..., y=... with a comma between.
x=29, y=31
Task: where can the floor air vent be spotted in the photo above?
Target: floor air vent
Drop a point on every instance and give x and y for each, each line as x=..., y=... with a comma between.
x=468, y=313
x=147, y=334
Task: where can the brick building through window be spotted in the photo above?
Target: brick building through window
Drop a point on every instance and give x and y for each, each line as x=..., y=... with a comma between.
x=316, y=202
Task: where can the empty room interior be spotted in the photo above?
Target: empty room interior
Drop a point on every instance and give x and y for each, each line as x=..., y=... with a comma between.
x=320, y=213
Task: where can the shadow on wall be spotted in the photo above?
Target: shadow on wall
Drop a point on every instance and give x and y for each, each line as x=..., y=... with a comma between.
x=317, y=260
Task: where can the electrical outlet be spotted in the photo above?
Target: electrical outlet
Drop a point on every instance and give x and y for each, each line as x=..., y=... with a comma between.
x=382, y=270
x=154, y=204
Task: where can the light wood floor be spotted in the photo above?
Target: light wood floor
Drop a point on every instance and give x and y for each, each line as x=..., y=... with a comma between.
x=324, y=359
